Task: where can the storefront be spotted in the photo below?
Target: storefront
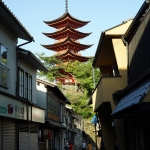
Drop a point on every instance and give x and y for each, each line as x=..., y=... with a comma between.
x=51, y=135
x=19, y=124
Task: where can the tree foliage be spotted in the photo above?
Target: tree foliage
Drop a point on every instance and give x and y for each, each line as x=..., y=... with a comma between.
x=79, y=105
x=52, y=64
x=85, y=76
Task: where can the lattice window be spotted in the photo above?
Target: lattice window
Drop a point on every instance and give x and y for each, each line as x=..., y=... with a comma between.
x=53, y=106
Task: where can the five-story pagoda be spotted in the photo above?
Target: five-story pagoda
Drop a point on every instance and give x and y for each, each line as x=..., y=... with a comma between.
x=67, y=45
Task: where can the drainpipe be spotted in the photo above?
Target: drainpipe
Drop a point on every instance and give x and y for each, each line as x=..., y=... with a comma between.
x=18, y=78
x=23, y=44
x=64, y=131
x=17, y=63
x=127, y=48
x=127, y=62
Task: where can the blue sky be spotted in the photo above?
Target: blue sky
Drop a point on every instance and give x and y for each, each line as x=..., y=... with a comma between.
x=101, y=14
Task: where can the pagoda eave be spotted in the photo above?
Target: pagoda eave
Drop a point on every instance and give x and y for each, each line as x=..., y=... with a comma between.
x=64, y=47
x=67, y=44
x=71, y=56
x=64, y=23
x=67, y=32
x=66, y=19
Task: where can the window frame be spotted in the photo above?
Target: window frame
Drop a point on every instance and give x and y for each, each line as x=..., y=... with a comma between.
x=4, y=70
x=1, y=51
x=24, y=84
x=53, y=106
x=28, y=86
x=21, y=82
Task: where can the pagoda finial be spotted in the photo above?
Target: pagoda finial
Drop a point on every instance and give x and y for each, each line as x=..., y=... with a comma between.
x=66, y=5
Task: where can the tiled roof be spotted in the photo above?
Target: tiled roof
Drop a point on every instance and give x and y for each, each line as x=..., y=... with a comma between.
x=73, y=56
x=10, y=17
x=64, y=16
x=55, y=89
x=67, y=29
x=69, y=42
x=138, y=19
x=31, y=58
x=133, y=98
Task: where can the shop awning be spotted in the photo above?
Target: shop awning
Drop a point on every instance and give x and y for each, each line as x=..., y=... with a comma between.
x=133, y=98
x=55, y=124
x=74, y=117
x=71, y=130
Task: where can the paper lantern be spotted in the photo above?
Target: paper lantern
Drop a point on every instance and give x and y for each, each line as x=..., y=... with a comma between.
x=48, y=135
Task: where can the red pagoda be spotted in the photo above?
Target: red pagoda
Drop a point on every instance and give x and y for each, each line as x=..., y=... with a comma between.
x=67, y=45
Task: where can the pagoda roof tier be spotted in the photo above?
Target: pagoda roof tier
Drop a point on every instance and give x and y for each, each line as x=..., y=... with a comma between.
x=68, y=55
x=66, y=19
x=65, y=81
x=67, y=44
x=67, y=32
x=69, y=79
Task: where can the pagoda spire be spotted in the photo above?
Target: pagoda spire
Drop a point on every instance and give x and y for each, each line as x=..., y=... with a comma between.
x=66, y=5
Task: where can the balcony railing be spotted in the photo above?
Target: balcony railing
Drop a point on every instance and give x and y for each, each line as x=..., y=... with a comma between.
x=4, y=76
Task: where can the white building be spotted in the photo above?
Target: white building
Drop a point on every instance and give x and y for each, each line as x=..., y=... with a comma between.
x=54, y=133
x=19, y=112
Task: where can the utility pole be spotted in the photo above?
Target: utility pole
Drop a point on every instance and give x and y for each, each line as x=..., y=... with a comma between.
x=93, y=77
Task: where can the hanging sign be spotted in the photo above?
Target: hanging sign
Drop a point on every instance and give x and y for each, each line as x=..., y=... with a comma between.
x=38, y=115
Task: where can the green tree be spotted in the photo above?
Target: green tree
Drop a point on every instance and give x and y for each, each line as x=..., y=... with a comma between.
x=79, y=104
x=52, y=64
x=85, y=76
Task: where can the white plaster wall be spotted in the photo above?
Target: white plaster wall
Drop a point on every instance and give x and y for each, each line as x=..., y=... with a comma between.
x=10, y=44
x=41, y=95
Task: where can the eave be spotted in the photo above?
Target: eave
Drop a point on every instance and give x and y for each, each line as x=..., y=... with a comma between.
x=13, y=24
x=105, y=47
x=64, y=19
x=136, y=22
x=68, y=76
x=30, y=57
x=67, y=30
x=55, y=89
x=137, y=82
x=67, y=44
x=63, y=80
x=72, y=56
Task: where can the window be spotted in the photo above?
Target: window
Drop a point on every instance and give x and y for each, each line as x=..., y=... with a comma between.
x=4, y=70
x=53, y=105
x=28, y=86
x=21, y=83
x=25, y=85
x=3, y=56
x=115, y=71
